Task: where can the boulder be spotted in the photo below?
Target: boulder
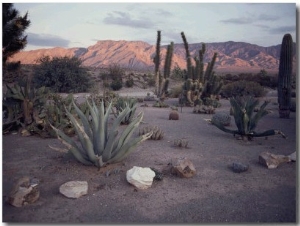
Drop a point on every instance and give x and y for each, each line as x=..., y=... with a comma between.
x=74, y=189
x=183, y=167
x=272, y=161
x=140, y=177
x=24, y=192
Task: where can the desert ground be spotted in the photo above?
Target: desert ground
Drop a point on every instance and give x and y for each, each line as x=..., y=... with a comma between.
x=215, y=194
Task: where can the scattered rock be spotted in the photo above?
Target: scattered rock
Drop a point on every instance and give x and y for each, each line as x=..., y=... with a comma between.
x=174, y=115
x=140, y=177
x=293, y=157
x=183, y=168
x=238, y=167
x=24, y=192
x=272, y=161
x=74, y=189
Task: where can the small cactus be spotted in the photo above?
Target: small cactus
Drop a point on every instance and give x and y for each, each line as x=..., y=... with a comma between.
x=174, y=115
x=157, y=133
x=181, y=142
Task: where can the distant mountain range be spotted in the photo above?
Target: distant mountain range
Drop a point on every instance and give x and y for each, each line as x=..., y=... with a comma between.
x=138, y=55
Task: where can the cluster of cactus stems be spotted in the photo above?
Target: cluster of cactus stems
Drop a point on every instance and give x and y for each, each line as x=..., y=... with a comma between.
x=181, y=143
x=162, y=80
x=99, y=143
x=246, y=122
x=199, y=87
x=284, y=76
x=157, y=133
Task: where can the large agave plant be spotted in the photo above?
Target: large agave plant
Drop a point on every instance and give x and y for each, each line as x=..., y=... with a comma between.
x=246, y=122
x=101, y=144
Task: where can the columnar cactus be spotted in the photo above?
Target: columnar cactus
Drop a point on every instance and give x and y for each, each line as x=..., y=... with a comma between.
x=162, y=81
x=199, y=87
x=284, y=76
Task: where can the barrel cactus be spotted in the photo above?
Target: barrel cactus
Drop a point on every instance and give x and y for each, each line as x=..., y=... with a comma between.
x=284, y=76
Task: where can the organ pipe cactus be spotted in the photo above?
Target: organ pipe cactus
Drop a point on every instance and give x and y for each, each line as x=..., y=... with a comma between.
x=200, y=87
x=284, y=76
x=246, y=122
x=162, y=81
x=101, y=144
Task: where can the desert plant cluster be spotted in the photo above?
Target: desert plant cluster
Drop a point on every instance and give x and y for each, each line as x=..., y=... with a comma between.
x=34, y=105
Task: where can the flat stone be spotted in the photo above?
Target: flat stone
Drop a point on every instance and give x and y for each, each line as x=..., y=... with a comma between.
x=183, y=168
x=140, y=177
x=74, y=189
x=272, y=161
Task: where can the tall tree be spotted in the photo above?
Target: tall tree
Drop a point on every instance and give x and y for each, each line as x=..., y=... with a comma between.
x=13, y=27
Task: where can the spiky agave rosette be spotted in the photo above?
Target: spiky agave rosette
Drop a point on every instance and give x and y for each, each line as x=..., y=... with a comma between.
x=99, y=144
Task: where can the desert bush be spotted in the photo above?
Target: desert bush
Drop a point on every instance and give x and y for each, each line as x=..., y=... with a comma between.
x=178, y=73
x=116, y=85
x=62, y=74
x=242, y=88
x=115, y=72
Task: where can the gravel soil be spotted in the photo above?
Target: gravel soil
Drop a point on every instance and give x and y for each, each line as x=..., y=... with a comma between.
x=214, y=195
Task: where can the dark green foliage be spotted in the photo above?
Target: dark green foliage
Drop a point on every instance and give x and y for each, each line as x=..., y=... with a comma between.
x=115, y=72
x=178, y=73
x=116, y=85
x=129, y=82
x=13, y=27
x=23, y=105
x=62, y=75
x=284, y=76
x=242, y=88
x=262, y=78
x=243, y=109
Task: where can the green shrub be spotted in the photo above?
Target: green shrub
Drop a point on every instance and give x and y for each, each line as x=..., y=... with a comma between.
x=116, y=85
x=116, y=72
x=62, y=74
x=175, y=91
x=129, y=82
x=242, y=88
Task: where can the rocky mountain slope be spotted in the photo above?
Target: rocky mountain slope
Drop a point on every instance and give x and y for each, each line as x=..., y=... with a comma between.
x=138, y=55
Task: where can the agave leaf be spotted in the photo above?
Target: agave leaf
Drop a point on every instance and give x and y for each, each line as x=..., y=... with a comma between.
x=261, y=113
x=127, y=133
x=83, y=137
x=129, y=147
x=84, y=120
x=107, y=152
x=70, y=143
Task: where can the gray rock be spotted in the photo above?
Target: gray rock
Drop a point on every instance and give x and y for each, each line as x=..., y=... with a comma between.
x=74, y=189
x=221, y=118
x=238, y=167
x=140, y=177
x=293, y=157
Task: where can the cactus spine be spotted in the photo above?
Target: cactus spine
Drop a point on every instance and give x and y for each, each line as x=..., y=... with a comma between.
x=162, y=81
x=284, y=76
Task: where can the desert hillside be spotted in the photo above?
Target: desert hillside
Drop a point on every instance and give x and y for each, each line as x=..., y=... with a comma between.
x=138, y=55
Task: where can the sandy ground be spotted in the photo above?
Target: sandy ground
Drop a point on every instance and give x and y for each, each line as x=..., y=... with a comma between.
x=214, y=195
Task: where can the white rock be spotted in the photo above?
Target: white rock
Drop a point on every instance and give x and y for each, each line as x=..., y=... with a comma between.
x=140, y=177
x=293, y=157
x=74, y=189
